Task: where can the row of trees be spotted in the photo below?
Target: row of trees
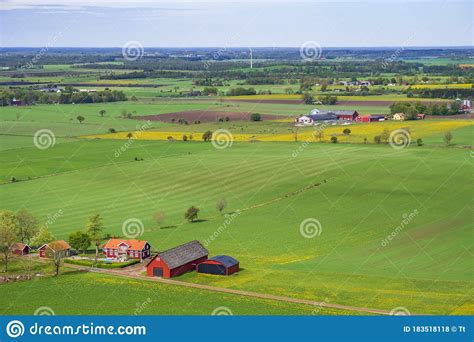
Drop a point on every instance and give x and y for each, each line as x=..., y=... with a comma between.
x=411, y=109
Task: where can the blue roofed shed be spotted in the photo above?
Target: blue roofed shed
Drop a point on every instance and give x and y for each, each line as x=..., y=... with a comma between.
x=220, y=265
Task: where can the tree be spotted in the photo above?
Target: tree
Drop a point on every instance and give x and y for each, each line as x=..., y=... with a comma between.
x=159, y=217
x=57, y=260
x=385, y=135
x=308, y=98
x=448, y=136
x=102, y=112
x=8, y=228
x=207, y=136
x=255, y=117
x=377, y=139
x=27, y=226
x=80, y=118
x=346, y=131
x=80, y=241
x=129, y=135
x=43, y=236
x=334, y=140
x=221, y=205
x=191, y=214
x=94, y=228
x=419, y=142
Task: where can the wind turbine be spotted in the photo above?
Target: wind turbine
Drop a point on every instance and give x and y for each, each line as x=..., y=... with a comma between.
x=251, y=58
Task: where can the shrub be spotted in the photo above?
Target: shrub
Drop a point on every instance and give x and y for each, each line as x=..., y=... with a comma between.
x=377, y=139
x=255, y=117
x=112, y=130
x=185, y=137
x=419, y=142
x=346, y=131
x=307, y=98
x=334, y=140
x=207, y=136
x=170, y=138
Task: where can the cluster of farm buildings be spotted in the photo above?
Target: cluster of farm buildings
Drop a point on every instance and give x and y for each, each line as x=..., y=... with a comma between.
x=344, y=117
x=191, y=256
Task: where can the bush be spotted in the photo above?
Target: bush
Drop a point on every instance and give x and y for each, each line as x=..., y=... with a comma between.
x=112, y=130
x=185, y=137
x=90, y=263
x=419, y=142
x=377, y=139
x=207, y=136
x=255, y=117
x=346, y=131
x=334, y=140
x=307, y=98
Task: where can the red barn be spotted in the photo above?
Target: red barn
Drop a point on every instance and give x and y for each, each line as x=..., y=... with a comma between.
x=220, y=265
x=54, y=247
x=349, y=115
x=177, y=260
x=127, y=249
x=20, y=248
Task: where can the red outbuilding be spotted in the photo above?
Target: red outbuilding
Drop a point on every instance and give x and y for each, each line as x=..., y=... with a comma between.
x=220, y=265
x=127, y=249
x=20, y=248
x=177, y=260
x=59, y=246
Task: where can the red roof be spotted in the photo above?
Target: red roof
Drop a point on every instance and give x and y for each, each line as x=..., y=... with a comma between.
x=18, y=246
x=134, y=245
x=56, y=246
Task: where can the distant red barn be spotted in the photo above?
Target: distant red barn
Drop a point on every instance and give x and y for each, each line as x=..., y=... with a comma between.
x=220, y=265
x=54, y=247
x=20, y=248
x=177, y=260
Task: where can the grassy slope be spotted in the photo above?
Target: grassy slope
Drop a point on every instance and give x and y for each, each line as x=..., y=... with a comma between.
x=368, y=190
x=78, y=293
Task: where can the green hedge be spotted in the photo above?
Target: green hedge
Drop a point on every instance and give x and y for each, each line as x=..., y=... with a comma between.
x=101, y=264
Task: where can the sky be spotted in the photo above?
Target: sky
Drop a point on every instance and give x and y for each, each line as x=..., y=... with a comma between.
x=224, y=23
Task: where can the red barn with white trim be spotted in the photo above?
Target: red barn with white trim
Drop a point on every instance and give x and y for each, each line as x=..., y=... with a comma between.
x=127, y=249
x=47, y=249
x=20, y=248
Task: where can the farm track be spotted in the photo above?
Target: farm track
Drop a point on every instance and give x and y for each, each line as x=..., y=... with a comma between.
x=125, y=274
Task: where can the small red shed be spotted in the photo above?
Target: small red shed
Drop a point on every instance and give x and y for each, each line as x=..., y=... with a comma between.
x=53, y=247
x=20, y=248
x=177, y=260
x=220, y=265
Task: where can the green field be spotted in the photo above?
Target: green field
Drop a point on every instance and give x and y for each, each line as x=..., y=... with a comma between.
x=82, y=293
x=361, y=197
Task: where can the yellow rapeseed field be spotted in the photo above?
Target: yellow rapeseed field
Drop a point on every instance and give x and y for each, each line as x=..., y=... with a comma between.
x=417, y=129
